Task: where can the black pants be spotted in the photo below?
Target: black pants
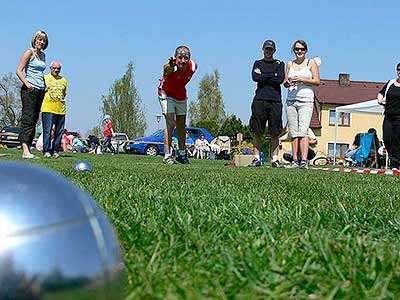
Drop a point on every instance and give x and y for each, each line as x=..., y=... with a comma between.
x=107, y=142
x=31, y=104
x=391, y=138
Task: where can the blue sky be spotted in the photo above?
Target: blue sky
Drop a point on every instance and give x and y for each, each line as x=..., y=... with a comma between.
x=95, y=40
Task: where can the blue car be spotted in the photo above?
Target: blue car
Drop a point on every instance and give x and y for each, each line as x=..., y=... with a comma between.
x=154, y=144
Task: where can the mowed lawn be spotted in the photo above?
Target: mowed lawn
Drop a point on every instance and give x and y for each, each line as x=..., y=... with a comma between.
x=209, y=231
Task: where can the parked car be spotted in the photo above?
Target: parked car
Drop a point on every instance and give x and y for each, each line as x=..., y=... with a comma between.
x=9, y=136
x=154, y=144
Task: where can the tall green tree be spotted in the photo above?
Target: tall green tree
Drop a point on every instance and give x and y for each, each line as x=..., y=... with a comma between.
x=231, y=127
x=125, y=106
x=10, y=101
x=209, y=105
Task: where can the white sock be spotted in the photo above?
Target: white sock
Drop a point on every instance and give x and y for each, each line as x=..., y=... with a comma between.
x=167, y=155
x=257, y=156
x=274, y=157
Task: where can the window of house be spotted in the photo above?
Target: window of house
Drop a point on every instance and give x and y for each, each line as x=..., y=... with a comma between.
x=341, y=148
x=344, y=118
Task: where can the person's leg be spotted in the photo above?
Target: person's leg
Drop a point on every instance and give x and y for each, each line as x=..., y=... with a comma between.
x=109, y=145
x=180, y=131
x=30, y=100
x=387, y=137
x=47, y=124
x=181, y=110
x=274, y=145
x=295, y=148
x=396, y=143
x=305, y=114
x=169, y=129
x=275, y=129
x=304, y=145
x=257, y=143
x=258, y=121
x=59, y=122
x=38, y=106
x=293, y=125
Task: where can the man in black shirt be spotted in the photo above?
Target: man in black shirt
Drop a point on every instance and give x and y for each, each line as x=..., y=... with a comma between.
x=269, y=73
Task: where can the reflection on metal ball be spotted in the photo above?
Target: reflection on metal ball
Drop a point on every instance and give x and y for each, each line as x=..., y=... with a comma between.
x=83, y=165
x=55, y=243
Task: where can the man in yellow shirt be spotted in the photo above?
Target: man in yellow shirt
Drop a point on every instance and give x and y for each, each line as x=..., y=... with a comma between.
x=53, y=110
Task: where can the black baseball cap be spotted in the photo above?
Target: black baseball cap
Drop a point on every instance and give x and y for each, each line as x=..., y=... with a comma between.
x=269, y=44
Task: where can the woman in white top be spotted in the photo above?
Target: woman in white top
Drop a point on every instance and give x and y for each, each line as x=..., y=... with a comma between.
x=300, y=77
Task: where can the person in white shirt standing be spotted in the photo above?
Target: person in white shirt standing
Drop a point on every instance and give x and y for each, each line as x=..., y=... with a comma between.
x=300, y=77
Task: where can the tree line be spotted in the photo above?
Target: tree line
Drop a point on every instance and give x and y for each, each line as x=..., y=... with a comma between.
x=124, y=104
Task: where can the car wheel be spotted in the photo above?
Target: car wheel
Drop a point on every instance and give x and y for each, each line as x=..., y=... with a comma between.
x=127, y=148
x=151, y=150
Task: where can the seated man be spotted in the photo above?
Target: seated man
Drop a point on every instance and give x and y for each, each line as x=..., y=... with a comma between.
x=350, y=154
x=312, y=149
x=202, y=147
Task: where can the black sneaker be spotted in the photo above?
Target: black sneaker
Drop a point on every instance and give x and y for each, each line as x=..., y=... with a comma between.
x=304, y=164
x=276, y=164
x=255, y=163
x=183, y=159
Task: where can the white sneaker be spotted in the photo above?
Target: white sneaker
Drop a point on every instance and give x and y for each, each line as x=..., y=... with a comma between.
x=47, y=155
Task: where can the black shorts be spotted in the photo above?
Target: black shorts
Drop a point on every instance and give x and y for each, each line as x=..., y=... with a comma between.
x=263, y=111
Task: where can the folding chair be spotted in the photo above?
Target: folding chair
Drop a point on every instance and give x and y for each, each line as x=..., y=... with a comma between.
x=363, y=151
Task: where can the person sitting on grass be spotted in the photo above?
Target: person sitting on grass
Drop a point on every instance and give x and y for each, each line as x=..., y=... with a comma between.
x=65, y=142
x=312, y=148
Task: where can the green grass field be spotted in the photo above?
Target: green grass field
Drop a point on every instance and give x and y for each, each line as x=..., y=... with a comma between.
x=208, y=231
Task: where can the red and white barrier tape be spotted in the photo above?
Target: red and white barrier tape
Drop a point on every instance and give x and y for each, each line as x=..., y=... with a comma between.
x=361, y=171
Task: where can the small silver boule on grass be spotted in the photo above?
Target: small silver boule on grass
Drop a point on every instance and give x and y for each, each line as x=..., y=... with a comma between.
x=55, y=243
x=83, y=165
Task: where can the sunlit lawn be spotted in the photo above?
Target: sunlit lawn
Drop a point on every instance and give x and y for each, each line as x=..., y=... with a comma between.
x=209, y=231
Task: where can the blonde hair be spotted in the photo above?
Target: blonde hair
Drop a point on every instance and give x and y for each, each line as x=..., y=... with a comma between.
x=38, y=34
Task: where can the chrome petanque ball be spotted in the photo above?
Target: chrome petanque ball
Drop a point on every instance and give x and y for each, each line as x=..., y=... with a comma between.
x=55, y=243
x=83, y=165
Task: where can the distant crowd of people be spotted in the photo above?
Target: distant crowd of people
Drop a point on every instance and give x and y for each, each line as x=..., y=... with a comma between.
x=47, y=93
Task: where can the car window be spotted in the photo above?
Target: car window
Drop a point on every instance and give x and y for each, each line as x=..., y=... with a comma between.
x=120, y=137
x=193, y=133
x=158, y=133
